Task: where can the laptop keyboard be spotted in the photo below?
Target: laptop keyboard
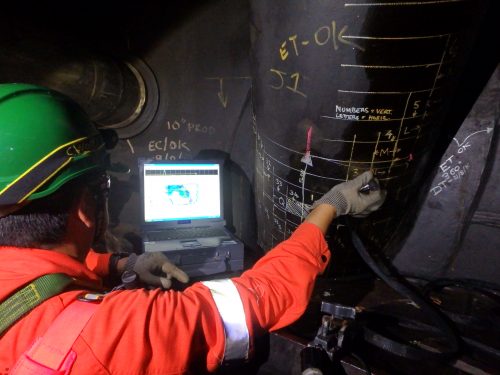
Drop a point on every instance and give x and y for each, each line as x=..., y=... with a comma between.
x=188, y=233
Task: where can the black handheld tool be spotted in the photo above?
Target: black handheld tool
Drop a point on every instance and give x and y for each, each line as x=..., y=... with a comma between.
x=372, y=185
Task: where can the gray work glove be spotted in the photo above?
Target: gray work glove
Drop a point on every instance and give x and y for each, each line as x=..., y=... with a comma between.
x=149, y=267
x=347, y=198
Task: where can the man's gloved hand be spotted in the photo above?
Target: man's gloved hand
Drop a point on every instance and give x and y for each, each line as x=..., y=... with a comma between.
x=155, y=269
x=347, y=198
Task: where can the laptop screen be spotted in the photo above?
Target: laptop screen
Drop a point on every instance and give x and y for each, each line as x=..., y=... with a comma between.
x=179, y=191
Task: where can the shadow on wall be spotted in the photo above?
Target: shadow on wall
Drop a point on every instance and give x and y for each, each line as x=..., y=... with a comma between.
x=239, y=211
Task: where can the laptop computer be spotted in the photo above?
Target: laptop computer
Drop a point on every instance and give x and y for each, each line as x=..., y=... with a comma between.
x=182, y=211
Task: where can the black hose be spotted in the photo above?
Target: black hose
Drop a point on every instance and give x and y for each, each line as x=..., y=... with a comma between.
x=363, y=363
x=400, y=285
x=486, y=289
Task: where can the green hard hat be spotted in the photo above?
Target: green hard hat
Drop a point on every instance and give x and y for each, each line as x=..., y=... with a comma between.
x=46, y=140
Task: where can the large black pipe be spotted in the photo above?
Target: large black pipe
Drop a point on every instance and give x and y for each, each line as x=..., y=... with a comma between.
x=344, y=87
x=117, y=92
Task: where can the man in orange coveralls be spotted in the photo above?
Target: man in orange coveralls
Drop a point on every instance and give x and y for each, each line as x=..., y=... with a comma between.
x=52, y=208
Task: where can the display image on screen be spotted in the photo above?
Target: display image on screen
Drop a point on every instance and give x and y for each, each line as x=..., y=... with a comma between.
x=181, y=192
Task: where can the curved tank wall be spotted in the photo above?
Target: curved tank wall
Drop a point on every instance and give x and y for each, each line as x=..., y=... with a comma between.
x=345, y=87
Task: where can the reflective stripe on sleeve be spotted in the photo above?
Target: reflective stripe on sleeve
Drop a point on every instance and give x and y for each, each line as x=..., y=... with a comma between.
x=231, y=311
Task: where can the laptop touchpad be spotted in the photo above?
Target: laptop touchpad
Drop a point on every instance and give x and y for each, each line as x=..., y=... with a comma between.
x=190, y=243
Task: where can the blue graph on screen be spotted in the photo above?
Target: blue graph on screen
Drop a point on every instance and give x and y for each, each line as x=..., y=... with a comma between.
x=182, y=194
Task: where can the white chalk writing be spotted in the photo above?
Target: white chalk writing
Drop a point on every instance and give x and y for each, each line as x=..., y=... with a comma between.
x=450, y=171
x=190, y=126
x=166, y=144
x=362, y=113
x=453, y=169
x=169, y=156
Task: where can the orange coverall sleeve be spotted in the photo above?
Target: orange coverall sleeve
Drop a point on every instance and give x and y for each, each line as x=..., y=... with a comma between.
x=276, y=290
x=157, y=332
x=98, y=263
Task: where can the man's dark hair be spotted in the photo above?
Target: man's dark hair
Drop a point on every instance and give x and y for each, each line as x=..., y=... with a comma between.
x=43, y=222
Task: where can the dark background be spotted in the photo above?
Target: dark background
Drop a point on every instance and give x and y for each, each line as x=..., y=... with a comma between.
x=205, y=68
x=206, y=90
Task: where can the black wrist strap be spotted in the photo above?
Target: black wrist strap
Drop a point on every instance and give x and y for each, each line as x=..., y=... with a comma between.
x=113, y=262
